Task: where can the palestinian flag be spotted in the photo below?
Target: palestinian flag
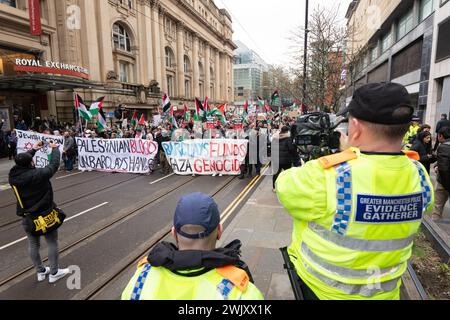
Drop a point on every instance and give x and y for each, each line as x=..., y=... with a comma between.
x=172, y=119
x=187, y=114
x=141, y=121
x=246, y=107
x=205, y=105
x=221, y=108
x=199, y=110
x=81, y=107
x=134, y=119
x=101, y=121
x=96, y=106
x=217, y=113
x=261, y=104
x=276, y=101
x=166, y=103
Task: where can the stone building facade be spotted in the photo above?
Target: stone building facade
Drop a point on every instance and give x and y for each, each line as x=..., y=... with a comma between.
x=397, y=41
x=134, y=50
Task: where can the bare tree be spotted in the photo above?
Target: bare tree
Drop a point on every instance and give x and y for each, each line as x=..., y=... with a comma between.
x=326, y=58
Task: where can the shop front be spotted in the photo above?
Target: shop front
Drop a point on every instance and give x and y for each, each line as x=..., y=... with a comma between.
x=28, y=83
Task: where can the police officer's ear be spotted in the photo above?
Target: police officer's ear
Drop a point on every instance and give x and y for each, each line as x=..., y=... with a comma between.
x=219, y=232
x=174, y=234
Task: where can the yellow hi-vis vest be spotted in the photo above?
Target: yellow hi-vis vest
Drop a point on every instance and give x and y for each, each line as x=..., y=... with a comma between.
x=158, y=283
x=355, y=217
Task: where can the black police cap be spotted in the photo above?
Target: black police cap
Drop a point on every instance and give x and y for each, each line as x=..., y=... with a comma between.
x=381, y=103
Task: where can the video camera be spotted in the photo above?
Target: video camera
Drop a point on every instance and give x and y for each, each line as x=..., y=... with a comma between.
x=316, y=135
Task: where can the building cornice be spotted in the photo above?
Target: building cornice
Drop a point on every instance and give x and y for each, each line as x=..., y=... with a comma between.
x=190, y=10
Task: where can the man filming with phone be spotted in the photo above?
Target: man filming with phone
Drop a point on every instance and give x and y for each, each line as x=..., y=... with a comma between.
x=40, y=216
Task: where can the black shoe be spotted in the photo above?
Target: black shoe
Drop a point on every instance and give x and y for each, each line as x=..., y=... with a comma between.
x=241, y=177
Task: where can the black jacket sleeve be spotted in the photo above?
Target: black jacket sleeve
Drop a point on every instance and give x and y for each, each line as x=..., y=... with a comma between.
x=48, y=172
x=443, y=163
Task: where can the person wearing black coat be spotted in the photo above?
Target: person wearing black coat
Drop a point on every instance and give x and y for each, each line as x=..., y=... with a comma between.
x=443, y=123
x=422, y=145
x=36, y=194
x=287, y=152
x=442, y=191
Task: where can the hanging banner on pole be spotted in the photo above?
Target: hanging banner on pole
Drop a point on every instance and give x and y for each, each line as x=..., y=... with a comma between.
x=206, y=157
x=116, y=155
x=35, y=17
x=26, y=141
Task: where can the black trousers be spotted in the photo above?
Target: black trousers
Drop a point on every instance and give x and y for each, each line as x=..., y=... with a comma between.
x=283, y=166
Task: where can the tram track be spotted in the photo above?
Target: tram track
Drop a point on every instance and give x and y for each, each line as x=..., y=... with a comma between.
x=60, y=204
x=137, y=256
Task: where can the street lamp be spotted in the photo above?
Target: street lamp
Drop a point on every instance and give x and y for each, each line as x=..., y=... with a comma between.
x=305, y=52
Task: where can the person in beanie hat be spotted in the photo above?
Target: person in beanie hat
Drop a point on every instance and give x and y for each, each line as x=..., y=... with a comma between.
x=356, y=213
x=193, y=269
x=36, y=195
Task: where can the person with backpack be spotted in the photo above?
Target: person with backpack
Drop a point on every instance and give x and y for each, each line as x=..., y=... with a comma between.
x=40, y=216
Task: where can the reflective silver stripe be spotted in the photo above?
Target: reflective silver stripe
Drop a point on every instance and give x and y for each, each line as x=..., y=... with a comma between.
x=365, y=290
x=346, y=272
x=359, y=244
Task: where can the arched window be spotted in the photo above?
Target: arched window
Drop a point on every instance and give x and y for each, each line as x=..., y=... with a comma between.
x=200, y=70
x=170, y=58
x=187, y=65
x=121, y=38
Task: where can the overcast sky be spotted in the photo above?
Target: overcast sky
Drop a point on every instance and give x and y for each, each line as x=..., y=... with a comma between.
x=264, y=25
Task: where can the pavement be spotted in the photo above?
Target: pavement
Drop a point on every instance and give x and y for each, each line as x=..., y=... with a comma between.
x=5, y=166
x=264, y=226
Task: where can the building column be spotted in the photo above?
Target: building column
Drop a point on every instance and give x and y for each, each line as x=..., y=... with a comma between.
x=106, y=48
x=162, y=51
x=227, y=76
x=180, y=60
x=156, y=42
x=218, y=76
x=207, y=70
x=194, y=61
x=223, y=76
x=231, y=98
x=147, y=45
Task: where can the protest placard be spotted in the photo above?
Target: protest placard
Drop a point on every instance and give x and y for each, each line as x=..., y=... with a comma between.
x=206, y=157
x=116, y=155
x=27, y=139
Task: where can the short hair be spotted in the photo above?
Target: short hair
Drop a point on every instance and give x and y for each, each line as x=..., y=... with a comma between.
x=445, y=132
x=444, y=115
x=391, y=132
x=206, y=242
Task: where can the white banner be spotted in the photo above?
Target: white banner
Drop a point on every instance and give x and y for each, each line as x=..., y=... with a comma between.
x=116, y=155
x=206, y=157
x=27, y=139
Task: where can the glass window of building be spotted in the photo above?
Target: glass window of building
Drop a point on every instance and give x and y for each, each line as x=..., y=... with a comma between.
x=426, y=8
x=169, y=58
x=386, y=42
x=170, y=88
x=11, y=3
x=374, y=54
x=187, y=65
x=123, y=72
x=405, y=24
x=121, y=38
x=187, y=88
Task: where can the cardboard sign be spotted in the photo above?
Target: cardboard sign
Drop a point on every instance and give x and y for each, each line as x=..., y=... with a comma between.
x=210, y=123
x=27, y=139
